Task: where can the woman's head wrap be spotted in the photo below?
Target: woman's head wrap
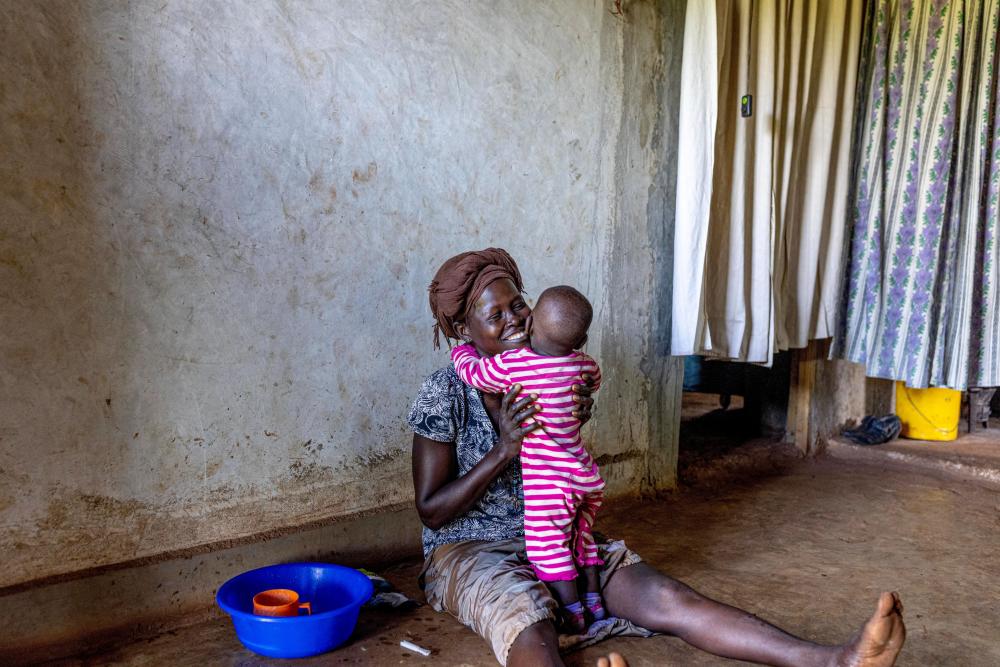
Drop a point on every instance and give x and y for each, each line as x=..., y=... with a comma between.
x=460, y=282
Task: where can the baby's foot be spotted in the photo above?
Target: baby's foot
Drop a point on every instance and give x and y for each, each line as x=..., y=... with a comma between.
x=880, y=640
x=595, y=606
x=573, y=620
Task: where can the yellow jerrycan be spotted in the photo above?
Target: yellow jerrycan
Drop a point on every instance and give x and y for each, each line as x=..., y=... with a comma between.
x=928, y=414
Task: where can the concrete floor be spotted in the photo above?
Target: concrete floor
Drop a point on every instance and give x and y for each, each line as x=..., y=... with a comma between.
x=974, y=455
x=804, y=544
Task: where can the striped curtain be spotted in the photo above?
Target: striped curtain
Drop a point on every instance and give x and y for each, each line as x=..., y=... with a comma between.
x=921, y=300
x=761, y=201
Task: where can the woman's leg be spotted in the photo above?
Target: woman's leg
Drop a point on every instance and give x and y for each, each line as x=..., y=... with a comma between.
x=537, y=645
x=644, y=596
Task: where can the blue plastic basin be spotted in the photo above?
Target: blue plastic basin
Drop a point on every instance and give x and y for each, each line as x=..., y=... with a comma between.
x=335, y=592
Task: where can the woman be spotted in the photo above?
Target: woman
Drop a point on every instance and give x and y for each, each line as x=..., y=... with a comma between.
x=467, y=488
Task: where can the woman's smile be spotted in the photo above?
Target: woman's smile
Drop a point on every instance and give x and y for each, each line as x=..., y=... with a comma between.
x=496, y=322
x=516, y=337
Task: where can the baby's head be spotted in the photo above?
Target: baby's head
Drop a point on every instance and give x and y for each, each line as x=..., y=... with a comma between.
x=559, y=321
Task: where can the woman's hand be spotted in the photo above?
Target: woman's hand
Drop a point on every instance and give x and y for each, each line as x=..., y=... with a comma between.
x=584, y=403
x=513, y=413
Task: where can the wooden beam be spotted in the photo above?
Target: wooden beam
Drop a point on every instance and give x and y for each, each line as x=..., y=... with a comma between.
x=801, y=429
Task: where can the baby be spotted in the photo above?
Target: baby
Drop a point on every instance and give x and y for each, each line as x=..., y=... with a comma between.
x=562, y=487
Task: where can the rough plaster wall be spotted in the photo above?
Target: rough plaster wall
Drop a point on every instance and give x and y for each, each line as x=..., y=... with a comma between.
x=666, y=373
x=644, y=384
x=216, y=230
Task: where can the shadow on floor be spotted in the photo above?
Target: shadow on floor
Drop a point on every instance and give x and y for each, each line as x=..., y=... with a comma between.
x=719, y=445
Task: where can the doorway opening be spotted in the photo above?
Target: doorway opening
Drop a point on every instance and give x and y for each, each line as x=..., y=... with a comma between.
x=727, y=404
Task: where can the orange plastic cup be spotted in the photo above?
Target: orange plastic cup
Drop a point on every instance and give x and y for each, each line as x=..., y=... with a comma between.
x=279, y=602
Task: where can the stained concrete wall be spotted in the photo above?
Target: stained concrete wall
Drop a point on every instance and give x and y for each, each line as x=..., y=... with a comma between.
x=218, y=221
x=640, y=416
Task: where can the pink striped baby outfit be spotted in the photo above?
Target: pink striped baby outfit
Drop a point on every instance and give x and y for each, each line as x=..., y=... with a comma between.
x=562, y=487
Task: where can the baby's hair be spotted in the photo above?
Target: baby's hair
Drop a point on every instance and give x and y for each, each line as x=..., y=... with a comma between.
x=565, y=315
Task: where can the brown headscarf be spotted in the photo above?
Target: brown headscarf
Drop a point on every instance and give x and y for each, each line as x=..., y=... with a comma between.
x=460, y=282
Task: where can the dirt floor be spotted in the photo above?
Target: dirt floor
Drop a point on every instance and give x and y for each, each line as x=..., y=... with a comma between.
x=804, y=544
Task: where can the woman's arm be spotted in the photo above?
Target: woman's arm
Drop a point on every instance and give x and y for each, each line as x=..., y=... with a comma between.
x=581, y=396
x=440, y=495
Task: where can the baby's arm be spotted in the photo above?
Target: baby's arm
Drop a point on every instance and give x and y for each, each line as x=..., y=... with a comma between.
x=484, y=373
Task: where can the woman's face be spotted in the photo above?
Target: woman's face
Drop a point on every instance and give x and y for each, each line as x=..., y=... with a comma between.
x=496, y=321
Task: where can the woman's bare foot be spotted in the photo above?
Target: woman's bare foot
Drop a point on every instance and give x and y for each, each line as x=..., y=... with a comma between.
x=881, y=638
x=613, y=660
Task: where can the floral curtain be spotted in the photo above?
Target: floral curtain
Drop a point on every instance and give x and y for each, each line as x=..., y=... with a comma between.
x=921, y=299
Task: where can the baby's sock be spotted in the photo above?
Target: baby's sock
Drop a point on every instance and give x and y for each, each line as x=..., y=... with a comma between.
x=573, y=616
x=595, y=605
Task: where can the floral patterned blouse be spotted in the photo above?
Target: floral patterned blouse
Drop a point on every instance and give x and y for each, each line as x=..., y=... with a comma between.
x=447, y=410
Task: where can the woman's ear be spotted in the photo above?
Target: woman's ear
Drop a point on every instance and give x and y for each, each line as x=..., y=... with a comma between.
x=462, y=330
